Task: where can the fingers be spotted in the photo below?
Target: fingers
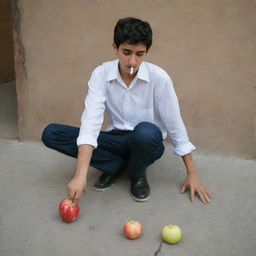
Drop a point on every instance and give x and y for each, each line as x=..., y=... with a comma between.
x=204, y=196
x=71, y=193
x=183, y=189
x=77, y=196
x=75, y=189
x=74, y=195
x=202, y=193
x=208, y=193
x=207, y=197
x=192, y=195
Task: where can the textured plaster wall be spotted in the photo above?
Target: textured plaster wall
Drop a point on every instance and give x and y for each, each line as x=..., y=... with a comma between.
x=7, y=72
x=207, y=46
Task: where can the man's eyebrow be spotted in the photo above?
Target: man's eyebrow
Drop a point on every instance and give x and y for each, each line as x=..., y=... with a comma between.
x=128, y=50
x=124, y=49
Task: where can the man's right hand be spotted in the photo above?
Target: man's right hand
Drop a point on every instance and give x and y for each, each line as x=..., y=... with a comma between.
x=76, y=186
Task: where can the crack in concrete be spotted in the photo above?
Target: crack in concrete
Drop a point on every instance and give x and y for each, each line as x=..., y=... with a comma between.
x=159, y=249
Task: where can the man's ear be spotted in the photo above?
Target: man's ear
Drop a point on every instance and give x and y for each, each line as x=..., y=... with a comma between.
x=115, y=48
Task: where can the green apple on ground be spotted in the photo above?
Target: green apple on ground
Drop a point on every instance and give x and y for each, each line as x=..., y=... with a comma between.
x=171, y=234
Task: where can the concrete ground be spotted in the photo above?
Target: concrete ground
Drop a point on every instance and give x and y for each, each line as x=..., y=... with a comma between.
x=33, y=181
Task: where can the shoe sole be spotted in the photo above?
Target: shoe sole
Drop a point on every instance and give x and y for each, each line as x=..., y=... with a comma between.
x=139, y=199
x=102, y=189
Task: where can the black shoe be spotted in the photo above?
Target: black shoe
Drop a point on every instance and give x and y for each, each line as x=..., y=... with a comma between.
x=107, y=179
x=140, y=189
x=104, y=182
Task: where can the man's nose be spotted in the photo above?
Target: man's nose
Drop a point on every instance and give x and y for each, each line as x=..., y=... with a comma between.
x=132, y=60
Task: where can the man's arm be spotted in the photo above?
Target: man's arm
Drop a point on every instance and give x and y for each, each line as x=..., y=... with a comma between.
x=91, y=122
x=192, y=181
x=170, y=116
x=78, y=182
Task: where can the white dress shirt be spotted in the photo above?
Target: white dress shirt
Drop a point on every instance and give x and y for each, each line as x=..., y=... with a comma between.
x=150, y=97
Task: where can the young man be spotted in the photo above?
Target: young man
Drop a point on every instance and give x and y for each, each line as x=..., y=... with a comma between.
x=143, y=110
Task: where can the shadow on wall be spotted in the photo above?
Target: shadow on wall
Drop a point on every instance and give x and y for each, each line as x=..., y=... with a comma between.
x=8, y=111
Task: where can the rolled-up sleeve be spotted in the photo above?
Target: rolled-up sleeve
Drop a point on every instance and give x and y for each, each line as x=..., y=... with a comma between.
x=93, y=114
x=169, y=111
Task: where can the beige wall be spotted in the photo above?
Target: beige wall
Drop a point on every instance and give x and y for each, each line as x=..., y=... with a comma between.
x=207, y=46
x=7, y=72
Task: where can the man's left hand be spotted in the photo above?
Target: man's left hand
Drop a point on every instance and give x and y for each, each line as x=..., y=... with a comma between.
x=193, y=183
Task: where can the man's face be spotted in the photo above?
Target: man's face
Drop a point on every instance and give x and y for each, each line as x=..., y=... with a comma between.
x=130, y=55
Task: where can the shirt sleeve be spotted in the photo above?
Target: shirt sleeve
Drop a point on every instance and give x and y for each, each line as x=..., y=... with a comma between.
x=169, y=111
x=93, y=114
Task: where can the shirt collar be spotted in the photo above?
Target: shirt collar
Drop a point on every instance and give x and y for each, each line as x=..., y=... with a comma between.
x=113, y=74
x=142, y=72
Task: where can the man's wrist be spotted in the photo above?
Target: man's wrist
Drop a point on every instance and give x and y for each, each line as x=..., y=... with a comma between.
x=81, y=172
x=189, y=163
x=191, y=172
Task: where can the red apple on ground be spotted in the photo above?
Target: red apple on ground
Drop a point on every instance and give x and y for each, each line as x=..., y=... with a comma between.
x=68, y=210
x=171, y=234
x=132, y=229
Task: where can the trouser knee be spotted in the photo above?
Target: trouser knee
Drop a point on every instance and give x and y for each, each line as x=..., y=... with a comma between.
x=48, y=134
x=146, y=134
x=146, y=146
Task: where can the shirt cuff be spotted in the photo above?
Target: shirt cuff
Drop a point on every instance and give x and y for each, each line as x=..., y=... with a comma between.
x=183, y=149
x=86, y=139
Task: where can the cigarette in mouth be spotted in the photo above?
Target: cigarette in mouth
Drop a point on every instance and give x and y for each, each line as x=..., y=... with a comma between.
x=131, y=71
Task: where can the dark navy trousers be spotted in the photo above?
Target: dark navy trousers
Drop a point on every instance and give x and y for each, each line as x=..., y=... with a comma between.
x=135, y=149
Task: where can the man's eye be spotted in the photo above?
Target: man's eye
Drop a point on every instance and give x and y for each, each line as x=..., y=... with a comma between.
x=140, y=54
x=126, y=53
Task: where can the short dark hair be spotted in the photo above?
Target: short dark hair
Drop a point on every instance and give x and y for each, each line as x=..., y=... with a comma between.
x=133, y=31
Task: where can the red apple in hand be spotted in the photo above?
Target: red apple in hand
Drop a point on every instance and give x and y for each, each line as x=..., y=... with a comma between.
x=132, y=229
x=68, y=210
